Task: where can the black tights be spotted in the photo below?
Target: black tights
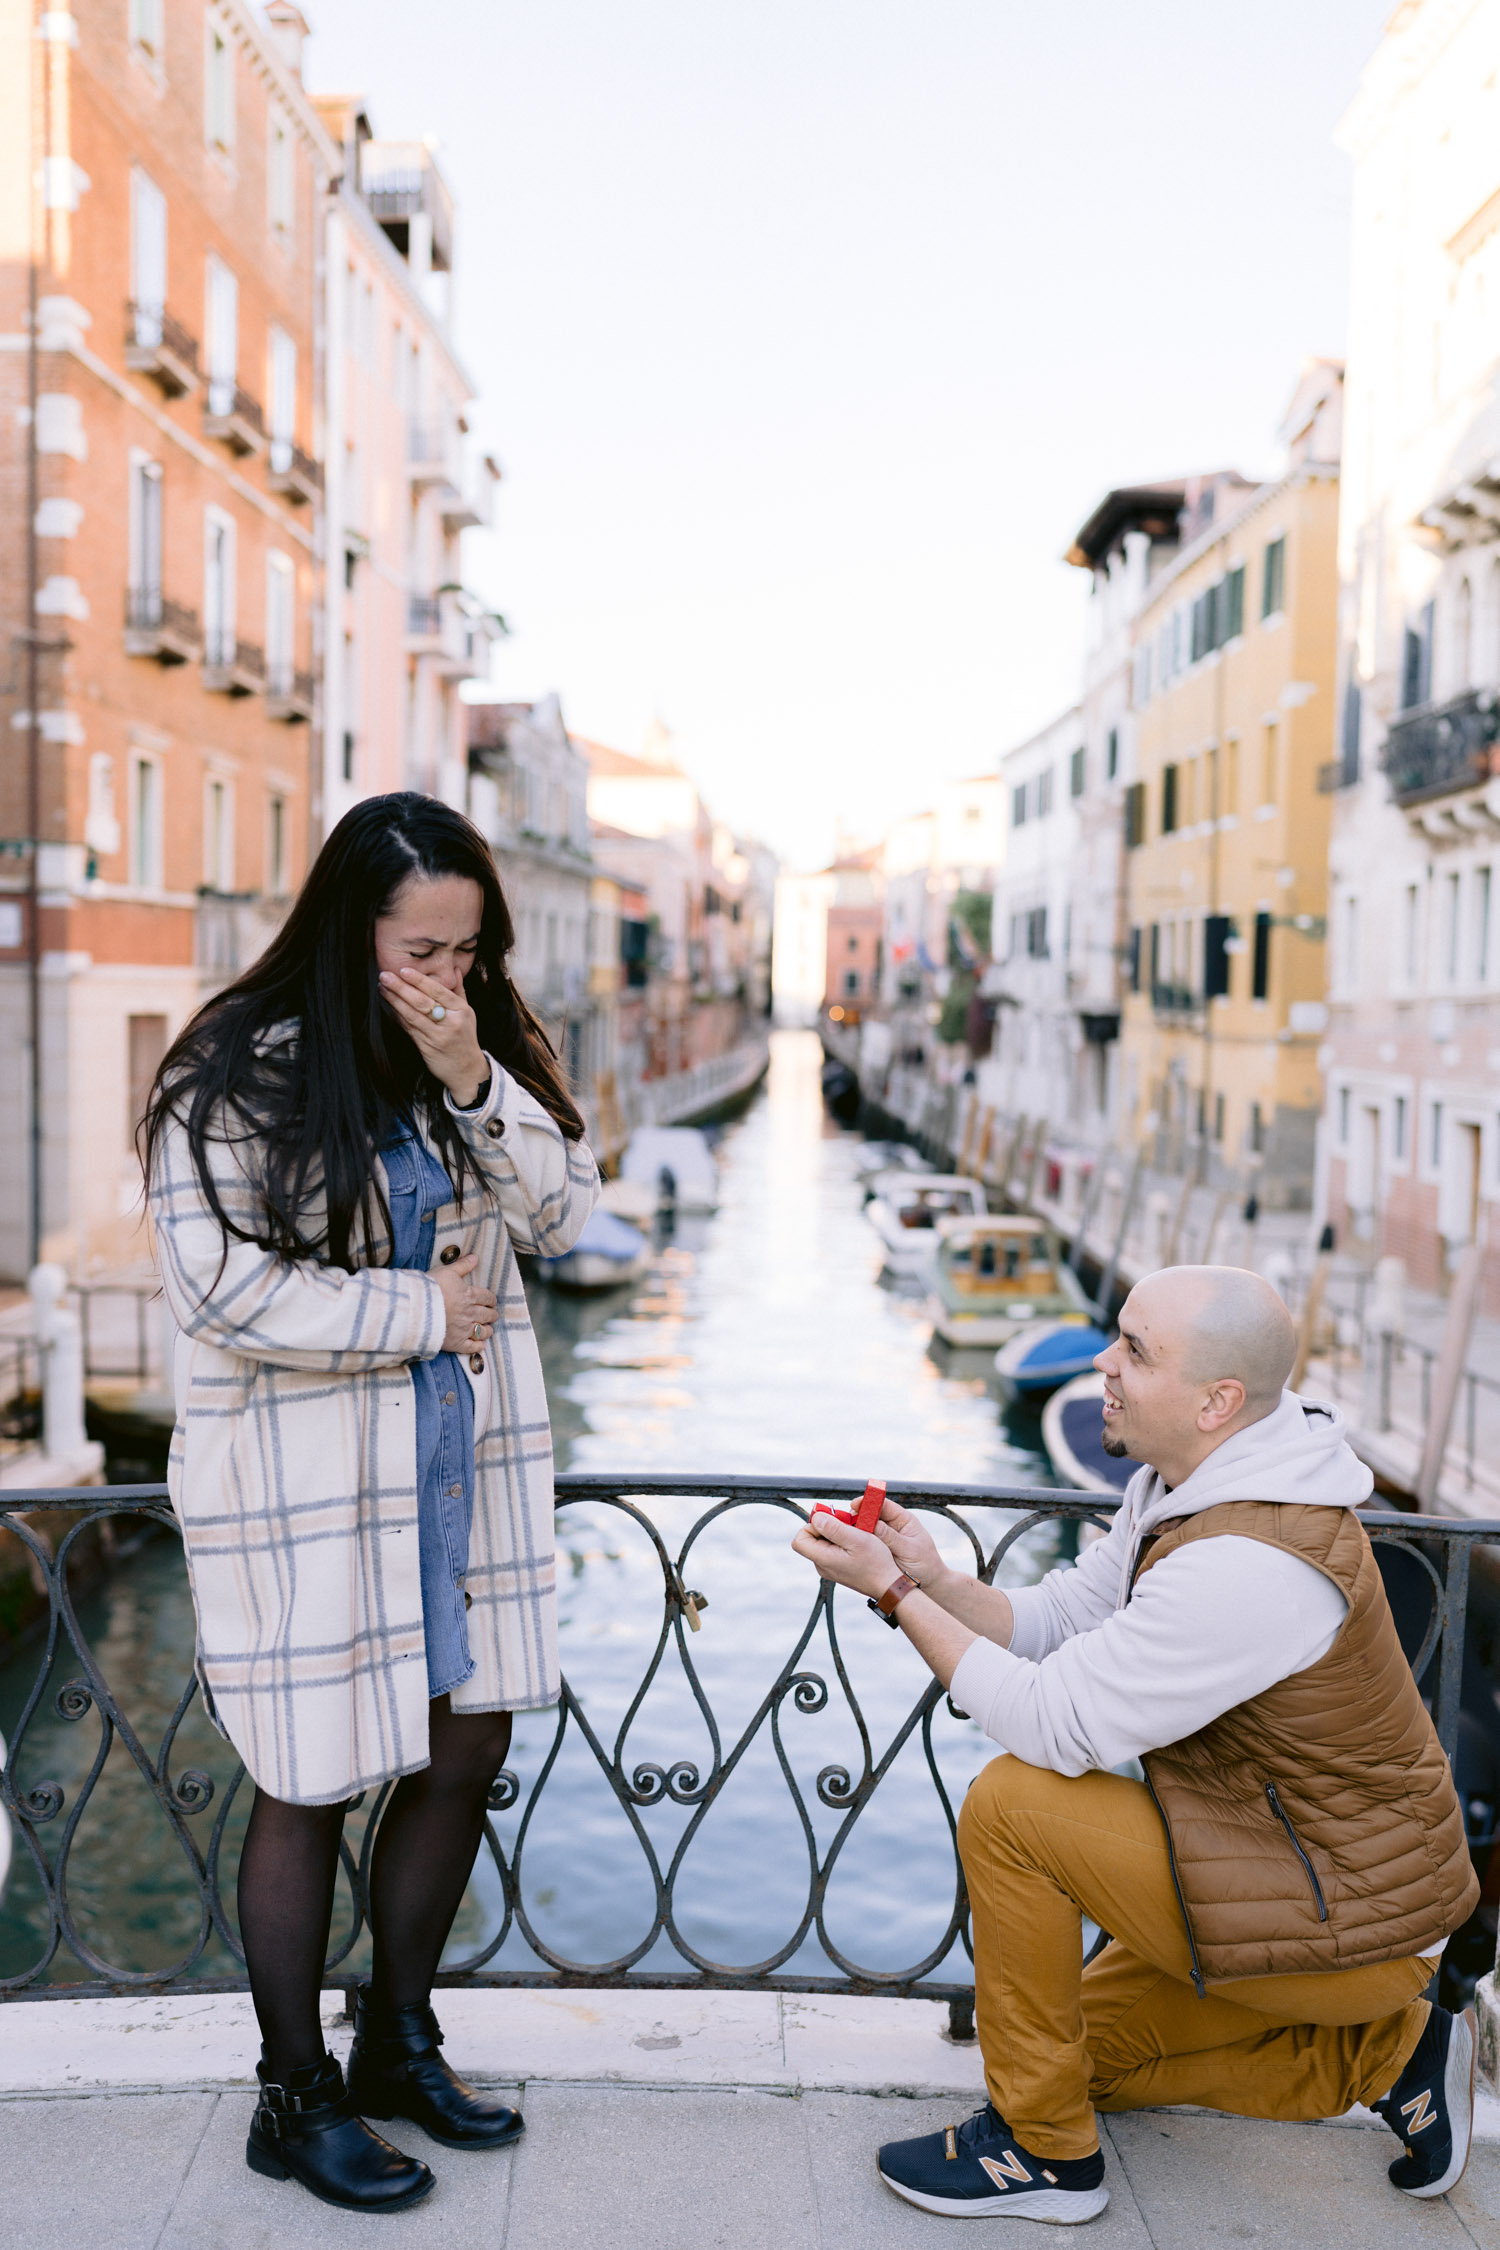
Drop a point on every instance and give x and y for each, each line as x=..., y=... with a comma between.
x=425, y=1848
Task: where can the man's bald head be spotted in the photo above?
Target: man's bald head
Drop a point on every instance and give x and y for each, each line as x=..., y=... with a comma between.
x=1226, y=1323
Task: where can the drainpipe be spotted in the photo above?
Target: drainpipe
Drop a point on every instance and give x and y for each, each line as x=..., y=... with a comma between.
x=33, y=699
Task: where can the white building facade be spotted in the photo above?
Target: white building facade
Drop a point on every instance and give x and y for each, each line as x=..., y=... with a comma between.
x=1410, y=1160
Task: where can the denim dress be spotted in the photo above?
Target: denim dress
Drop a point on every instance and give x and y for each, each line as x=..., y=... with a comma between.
x=419, y=1187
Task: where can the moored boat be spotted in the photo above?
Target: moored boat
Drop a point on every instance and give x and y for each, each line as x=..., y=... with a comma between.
x=887, y=1156
x=677, y=1162
x=1073, y=1433
x=1046, y=1353
x=609, y=1252
x=905, y=1208
x=994, y=1275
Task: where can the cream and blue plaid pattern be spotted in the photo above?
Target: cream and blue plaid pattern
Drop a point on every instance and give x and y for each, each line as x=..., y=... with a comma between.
x=293, y=1462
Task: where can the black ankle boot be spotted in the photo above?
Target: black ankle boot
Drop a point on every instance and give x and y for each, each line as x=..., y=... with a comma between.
x=308, y=2129
x=395, y=2070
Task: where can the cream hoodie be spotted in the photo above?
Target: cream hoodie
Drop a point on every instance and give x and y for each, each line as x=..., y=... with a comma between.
x=1091, y=1682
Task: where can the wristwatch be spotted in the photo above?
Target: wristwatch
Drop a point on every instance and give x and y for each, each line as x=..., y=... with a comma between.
x=887, y=1603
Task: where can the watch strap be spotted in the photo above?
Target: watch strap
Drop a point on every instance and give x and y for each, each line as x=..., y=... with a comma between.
x=886, y=1604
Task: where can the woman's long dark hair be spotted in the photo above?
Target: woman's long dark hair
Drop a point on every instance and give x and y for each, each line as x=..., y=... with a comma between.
x=311, y=1109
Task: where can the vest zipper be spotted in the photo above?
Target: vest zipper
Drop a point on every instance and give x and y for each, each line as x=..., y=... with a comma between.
x=1177, y=1887
x=1308, y=1867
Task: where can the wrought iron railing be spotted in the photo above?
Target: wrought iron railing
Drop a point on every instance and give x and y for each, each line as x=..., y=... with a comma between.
x=664, y=1800
x=1442, y=747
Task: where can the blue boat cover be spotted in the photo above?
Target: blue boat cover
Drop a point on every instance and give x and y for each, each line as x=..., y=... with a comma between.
x=1083, y=1427
x=606, y=1235
x=1071, y=1348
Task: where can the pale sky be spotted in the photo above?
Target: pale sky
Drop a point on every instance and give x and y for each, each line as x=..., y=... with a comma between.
x=808, y=332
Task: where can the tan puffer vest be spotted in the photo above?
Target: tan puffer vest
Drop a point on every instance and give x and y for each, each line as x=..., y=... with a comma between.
x=1316, y=1826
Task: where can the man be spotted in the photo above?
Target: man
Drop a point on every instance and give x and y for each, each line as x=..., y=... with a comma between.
x=1279, y=1888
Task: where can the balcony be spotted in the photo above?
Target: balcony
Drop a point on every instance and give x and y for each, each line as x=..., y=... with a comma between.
x=235, y=418
x=471, y=504
x=232, y=666
x=432, y=455
x=293, y=473
x=159, y=346
x=1174, y=1000
x=156, y=627
x=1442, y=748
x=289, y=695
x=451, y=629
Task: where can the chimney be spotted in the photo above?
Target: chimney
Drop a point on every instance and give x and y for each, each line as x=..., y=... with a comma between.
x=289, y=29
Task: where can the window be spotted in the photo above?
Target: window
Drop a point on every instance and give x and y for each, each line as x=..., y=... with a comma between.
x=1155, y=977
x=1018, y=805
x=1435, y=1144
x=146, y=34
x=1036, y=934
x=1141, y=689
x=1135, y=815
x=1201, y=627
x=148, y=255
x=1481, y=925
x=1451, y=927
x=1416, y=660
x=1257, y=1129
x=218, y=587
x=146, y=1044
x=1168, y=799
x=1232, y=775
x=1260, y=961
x=1111, y=754
x=1398, y=1128
x=276, y=846
x=145, y=541
x=145, y=824
x=1217, y=931
x=1234, y=603
x=1349, y=966
x=1044, y=794
x=853, y=942
x=1273, y=578
x=1076, y=774
x=281, y=176
x=1349, y=726
x=1411, y=926
x=218, y=91
x=1343, y=1116
x=1218, y=1117
x=281, y=388
x=223, y=326
x=218, y=834
x=1133, y=960
x=281, y=643
x=851, y=979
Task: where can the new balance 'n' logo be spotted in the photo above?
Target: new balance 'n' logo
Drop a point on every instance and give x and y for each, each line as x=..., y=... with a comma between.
x=1418, y=2113
x=1006, y=2167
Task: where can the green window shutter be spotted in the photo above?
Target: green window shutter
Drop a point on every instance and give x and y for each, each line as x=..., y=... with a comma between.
x=1273, y=578
x=1168, y=799
x=1217, y=930
x=1234, y=600
x=1260, y=963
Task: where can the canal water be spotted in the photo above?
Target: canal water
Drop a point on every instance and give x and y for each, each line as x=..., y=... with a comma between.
x=762, y=1342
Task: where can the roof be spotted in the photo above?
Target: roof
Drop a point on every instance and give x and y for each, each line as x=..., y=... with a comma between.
x=1152, y=508
x=623, y=763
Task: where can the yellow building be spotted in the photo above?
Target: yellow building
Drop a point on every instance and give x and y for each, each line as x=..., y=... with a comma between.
x=1226, y=824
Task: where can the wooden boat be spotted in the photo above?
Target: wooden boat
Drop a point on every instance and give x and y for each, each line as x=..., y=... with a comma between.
x=1073, y=1433
x=905, y=1208
x=995, y=1274
x=1046, y=1353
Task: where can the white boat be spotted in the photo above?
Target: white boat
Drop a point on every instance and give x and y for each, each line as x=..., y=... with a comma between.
x=609, y=1252
x=887, y=1156
x=1073, y=1433
x=677, y=1162
x=994, y=1275
x=905, y=1208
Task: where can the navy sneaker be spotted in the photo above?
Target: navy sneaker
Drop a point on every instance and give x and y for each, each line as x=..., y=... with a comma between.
x=978, y=2170
x=1431, y=2106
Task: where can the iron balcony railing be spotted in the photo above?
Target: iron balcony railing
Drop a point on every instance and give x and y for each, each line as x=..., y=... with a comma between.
x=1443, y=747
x=803, y=1704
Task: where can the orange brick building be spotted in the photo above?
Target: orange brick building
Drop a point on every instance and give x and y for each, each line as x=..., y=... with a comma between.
x=162, y=183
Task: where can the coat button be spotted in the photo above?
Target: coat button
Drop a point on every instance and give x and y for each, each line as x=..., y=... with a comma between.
x=455, y=1491
x=428, y=1217
x=476, y=1363
x=446, y=1256
x=468, y=1601
x=449, y=1397
x=494, y=1128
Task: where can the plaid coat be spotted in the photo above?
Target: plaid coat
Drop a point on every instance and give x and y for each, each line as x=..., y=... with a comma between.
x=293, y=1463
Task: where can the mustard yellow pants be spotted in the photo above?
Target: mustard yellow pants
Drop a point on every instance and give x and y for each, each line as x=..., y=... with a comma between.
x=1041, y=1850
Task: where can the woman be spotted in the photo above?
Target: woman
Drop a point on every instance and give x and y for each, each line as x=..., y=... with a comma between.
x=344, y=1150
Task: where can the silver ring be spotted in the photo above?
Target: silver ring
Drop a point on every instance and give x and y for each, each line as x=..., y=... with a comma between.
x=477, y=1334
x=437, y=1011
